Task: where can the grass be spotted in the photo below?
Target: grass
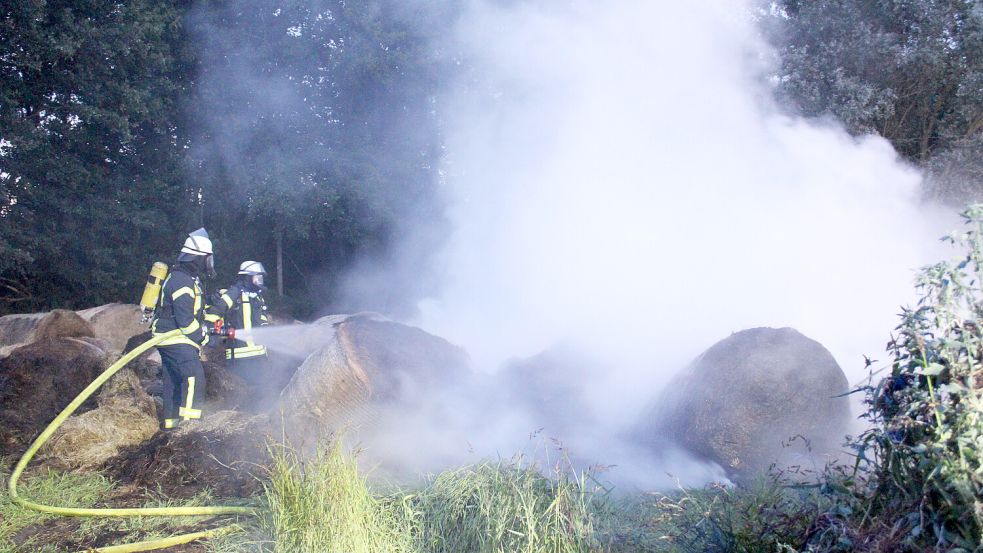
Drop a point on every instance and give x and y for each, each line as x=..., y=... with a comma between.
x=89, y=490
x=71, y=490
x=325, y=505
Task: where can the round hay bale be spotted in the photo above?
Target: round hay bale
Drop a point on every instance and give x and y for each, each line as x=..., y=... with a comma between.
x=62, y=323
x=364, y=362
x=125, y=416
x=225, y=452
x=18, y=329
x=741, y=401
x=38, y=380
x=115, y=322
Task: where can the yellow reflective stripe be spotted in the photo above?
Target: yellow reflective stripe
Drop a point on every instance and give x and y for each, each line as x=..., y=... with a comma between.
x=212, y=317
x=249, y=348
x=183, y=291
x=247, y=320
x=241, y=353
x=228, y=301
x=177, y=340
x=160, y=300
x=197, y=299
x=188, y=414
x=189, y=401
x=195, y=325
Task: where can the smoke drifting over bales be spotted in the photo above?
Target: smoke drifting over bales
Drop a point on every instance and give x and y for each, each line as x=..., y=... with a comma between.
x=620, y=179
x=620, y=182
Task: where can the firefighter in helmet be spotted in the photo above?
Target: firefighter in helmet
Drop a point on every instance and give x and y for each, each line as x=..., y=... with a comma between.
x=181, y=305
x=243, y=307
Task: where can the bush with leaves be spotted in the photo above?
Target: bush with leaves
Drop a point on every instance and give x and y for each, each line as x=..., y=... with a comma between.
x=923, y=457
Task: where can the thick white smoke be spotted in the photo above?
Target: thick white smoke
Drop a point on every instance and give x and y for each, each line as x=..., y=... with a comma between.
x=620, y=180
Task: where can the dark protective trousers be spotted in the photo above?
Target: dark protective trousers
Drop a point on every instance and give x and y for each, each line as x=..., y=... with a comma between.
x=184, y=382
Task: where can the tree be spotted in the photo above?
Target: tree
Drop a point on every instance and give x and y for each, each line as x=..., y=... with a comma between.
x=909, y=70
x=315, y=131
x=90, y=148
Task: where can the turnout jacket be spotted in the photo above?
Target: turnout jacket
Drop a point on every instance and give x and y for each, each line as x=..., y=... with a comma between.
x=242, y=309
x=181, y=305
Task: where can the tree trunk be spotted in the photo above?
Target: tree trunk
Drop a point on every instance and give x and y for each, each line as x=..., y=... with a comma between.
x=279, y=261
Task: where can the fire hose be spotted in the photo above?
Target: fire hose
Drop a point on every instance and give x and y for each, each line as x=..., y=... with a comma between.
x=121, y=512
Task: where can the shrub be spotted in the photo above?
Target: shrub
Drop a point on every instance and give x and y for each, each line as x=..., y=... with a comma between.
x=921, y=459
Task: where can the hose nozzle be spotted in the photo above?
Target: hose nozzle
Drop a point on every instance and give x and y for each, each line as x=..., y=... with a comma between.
x=221, y=329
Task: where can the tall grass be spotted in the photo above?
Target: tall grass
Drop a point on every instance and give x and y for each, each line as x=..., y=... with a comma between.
x=326, y=505
x=498, y=507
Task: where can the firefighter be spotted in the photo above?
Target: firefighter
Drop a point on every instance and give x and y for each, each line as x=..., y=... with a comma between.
x=181, y=305
x=243, y=307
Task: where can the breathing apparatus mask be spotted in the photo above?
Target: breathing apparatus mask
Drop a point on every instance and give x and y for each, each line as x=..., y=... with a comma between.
x=253, y=272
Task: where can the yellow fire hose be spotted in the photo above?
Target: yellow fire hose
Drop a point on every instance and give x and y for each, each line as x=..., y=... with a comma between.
x=128, y=512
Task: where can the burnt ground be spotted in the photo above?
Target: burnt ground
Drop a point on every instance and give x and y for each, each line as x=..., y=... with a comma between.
x=65, y=534
x=227, y=455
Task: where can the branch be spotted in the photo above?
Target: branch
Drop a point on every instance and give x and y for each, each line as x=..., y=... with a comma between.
x=17, y=291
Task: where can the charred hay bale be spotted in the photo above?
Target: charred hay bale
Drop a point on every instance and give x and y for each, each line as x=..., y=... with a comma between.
x=125, y=416
x=62, y=323
x=364, y=363
x=147, y=364
x=224, y=389
x=38, y=380
x=115, y=322
x=740, y=402
x=19, y=329
x=225, y=452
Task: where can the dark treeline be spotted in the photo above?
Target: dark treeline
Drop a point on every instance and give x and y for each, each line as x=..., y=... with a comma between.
x=311, y=128
x=301, y=128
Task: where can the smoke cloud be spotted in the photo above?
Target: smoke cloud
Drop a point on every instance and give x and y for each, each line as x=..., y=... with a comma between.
x=620, y=178
x=621, y=187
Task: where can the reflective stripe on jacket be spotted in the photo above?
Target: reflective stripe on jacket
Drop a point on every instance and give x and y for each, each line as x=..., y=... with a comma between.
x=243, y=310
x=180, y=306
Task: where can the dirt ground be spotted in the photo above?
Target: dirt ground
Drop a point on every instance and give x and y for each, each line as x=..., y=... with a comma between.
x=226, y=453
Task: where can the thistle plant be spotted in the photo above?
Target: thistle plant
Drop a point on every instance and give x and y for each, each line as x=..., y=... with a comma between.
x=924, y=452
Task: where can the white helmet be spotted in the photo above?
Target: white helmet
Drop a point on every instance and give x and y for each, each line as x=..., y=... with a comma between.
x=198, y=243
x=197, y=246
x=252, y=268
